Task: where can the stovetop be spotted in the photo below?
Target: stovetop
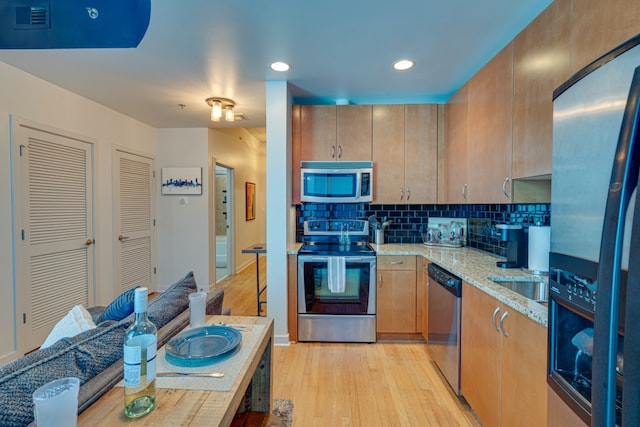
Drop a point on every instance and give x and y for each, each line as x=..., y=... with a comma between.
x=329, y=237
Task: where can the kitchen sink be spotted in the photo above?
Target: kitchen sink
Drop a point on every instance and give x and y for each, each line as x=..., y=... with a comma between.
x=529, y=287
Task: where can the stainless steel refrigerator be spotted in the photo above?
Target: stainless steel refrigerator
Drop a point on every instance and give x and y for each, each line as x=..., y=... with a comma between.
x=594, y=264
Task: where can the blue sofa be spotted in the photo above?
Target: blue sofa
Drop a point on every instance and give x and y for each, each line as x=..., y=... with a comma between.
x=94, y=356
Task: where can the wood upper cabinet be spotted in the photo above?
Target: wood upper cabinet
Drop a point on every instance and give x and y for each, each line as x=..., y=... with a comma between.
x=599, y=26
x=396, y=295
x=504, y=360
x=541, y=62
x=329, y=132
x=354, y=128
x=421, y=153
x=489, y=138
x=388, y=154
x=455, y=148
x=405, y=153
x=318, y=132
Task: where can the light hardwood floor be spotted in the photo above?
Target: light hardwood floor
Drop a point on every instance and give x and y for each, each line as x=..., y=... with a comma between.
x=336, y=384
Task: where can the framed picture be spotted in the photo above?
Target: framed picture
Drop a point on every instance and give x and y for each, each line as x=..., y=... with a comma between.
x=181, y=181
x=251, y=200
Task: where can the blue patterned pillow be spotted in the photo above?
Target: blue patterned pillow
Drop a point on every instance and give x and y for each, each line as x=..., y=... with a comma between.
x=121, y=307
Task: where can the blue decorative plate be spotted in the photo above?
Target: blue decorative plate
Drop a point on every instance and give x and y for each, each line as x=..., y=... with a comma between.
x=202, y=346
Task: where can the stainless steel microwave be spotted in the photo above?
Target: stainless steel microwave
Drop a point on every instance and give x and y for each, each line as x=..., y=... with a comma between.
x=336, y=182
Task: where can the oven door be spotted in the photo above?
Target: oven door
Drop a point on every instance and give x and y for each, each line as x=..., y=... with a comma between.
x=315, y=297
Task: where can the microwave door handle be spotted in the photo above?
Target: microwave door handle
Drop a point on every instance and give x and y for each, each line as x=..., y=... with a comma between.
x=358, y=185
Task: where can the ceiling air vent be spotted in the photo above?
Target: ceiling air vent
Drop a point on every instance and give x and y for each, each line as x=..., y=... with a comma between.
x=34, y=17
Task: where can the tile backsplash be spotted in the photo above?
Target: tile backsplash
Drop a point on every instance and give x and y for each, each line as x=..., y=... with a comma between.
x=408, y=219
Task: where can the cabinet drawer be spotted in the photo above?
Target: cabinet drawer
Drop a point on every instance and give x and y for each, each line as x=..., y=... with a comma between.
x=396, y=262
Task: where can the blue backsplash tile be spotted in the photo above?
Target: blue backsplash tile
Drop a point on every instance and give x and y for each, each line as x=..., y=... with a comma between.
x=409, y=219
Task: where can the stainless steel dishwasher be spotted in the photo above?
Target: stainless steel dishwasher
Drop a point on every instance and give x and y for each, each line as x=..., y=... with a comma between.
x=444, y=306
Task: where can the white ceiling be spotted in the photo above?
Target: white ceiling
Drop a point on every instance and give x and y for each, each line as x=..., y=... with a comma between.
x=338, y=50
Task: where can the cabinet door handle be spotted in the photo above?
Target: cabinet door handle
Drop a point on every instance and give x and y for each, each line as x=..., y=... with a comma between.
x=401, y=193
x=121, y=237
x=339, y=151
x=504, y=316
x=89, y=242
x=333, y=151
x=380, y=280
x=493, y=319
x=408, y=193
x=396, y=262
x=507, y=180
x=465, y=192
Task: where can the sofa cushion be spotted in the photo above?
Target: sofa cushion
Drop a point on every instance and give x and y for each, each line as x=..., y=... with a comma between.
x=84, y=356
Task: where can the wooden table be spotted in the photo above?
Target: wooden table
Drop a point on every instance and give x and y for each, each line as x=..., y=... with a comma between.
x=259, y=248
x=175, y=407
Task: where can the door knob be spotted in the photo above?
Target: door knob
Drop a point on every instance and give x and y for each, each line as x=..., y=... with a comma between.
x=121, y=237
x=89, y=242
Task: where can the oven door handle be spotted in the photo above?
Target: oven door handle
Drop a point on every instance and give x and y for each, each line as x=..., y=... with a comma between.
x=326, y=259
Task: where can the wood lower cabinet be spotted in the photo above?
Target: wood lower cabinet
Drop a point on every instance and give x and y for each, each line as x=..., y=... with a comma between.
x=292, y=296
x=504, y=359
x=425, y=300
x=396, y=295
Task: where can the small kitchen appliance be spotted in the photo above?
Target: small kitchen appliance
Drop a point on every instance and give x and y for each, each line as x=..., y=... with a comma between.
x=336, y=182
x=336, y=282
x=517, y=245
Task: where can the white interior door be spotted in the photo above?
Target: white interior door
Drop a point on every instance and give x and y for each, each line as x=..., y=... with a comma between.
x=54, y=230
x=134, y=207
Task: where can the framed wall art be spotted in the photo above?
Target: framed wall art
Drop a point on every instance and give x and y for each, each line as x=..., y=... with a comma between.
x=250, y=188
x=182, y=181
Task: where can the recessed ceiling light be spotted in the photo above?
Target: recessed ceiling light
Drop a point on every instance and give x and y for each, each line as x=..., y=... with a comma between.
x=280, y=66
x=403, y=64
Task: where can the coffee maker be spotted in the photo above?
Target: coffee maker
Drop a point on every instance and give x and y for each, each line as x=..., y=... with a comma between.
x=517, y=245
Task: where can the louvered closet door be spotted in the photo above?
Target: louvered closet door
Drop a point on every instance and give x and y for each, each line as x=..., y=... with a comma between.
x=57, y=230
x=134, y=207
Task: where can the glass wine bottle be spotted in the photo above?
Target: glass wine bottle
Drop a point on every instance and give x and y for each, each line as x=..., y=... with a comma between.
x=140, y=346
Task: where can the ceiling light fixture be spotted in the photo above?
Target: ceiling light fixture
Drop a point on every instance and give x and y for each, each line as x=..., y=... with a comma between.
x=403, y=64
x=280, y=66
x=220, y=105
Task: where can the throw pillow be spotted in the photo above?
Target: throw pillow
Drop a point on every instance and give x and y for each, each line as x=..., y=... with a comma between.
x=77, y=320
x=121, y=307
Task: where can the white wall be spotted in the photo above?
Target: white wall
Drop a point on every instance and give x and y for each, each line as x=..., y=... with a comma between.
x=183, y=221
x=279, y=224
x=237, y=149
x=27, y=97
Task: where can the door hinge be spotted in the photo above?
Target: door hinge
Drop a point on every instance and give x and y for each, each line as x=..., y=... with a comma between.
x=153, y=174
x=22, y=234
x=154, y=222
x=154, y=270
x=24, y=318
x=22, y=147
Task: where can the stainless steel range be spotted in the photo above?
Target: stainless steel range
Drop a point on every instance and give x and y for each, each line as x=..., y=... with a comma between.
x=336, y=282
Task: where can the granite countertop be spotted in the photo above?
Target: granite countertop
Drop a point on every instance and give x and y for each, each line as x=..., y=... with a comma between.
x=475, y=267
